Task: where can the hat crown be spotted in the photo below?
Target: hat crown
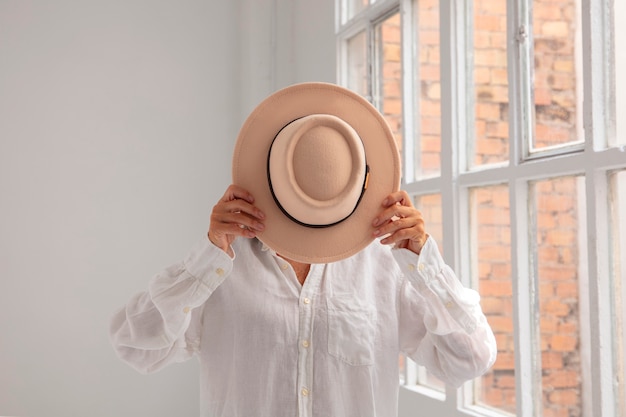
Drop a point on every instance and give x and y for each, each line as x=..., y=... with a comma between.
x=322, y=163
x=317, y=169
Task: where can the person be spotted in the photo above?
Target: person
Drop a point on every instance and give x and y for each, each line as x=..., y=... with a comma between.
x=295, y=306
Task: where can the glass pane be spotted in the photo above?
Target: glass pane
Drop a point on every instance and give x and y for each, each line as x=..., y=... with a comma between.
x=430, y=206
x=491, y=261
x=561, y=250
x=357, y=63
x=389, y=79
x=557, y=73
x=618, y=183
x=428, y=115
x=491, y=125
x=619, y=40
x=354, y=6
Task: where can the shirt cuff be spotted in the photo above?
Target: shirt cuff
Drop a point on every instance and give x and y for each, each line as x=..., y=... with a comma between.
x=439, y=285
x=208, y=263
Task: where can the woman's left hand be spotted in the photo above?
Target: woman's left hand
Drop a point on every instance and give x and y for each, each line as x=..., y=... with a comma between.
x=402, y=222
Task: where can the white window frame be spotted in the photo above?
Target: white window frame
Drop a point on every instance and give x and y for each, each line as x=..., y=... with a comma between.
x=591, y=159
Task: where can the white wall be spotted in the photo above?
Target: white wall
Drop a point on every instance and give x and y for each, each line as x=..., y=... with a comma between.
x=117, y=122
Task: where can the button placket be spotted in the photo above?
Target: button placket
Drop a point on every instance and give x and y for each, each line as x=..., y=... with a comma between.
x=306, y=313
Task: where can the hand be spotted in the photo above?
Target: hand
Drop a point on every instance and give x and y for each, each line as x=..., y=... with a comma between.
x=234, y=215
x=402, y=222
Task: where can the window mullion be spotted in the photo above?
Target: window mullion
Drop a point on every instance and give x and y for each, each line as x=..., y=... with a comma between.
x=524, y=277
x=409, y=85
x=524, y=300
x=453, y=128
x=600, y=301
x=596, y=120
x=521, y=67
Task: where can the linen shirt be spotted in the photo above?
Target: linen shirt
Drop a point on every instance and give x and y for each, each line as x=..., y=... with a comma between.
x=268, y=346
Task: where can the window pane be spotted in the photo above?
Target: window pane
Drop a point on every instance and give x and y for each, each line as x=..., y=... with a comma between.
x=388, y=97
x=353, y=7
x=619, y=40
x=618, y=183
x=491, y=261
x=357, y=63
x=428, y=130
x=561, y=250
x=430, y=206
x=491, y=126
x=557, y=93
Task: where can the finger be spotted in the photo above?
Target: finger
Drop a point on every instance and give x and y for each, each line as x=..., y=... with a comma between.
x=398, y=197
x=237, y=206
x=245, y=221
x=398, y=236
x=239, y=219
x=407, y=223
x=394, y=211
x=234, y=192
x=226, y=232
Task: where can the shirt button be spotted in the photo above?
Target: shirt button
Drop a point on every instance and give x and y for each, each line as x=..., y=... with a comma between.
x=304, y=392
x=411, y=267
x=186, y=310
x=421, y=267
x=305, y=343
x=449, y=304
x=219, y=272
x=307, y=301
x=284, y=266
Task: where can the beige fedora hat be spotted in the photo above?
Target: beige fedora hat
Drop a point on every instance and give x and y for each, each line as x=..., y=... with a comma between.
x=319, y=160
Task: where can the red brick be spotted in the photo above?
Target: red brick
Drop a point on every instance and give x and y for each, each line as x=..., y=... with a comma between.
x=430, y=72
x=563, y=379
x=548, y=325
x=392, y=53
x=506, y=381
x=554, y=29
x=555, y=308
x=567, y=289
x=563, y=343
x=496, y=288
x=504, y=361
x=430, y=108
x=542, y=11
x=499, y=129
x=551, y=360
x=557, y=273
x=565, y=397
x=429, y=37
x=501, y=324
x=482, y=76
x=490, y=23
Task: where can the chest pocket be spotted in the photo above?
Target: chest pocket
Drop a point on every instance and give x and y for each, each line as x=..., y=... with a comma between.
x=351, y=330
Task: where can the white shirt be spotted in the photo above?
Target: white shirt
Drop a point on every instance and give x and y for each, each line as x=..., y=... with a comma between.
x=268, y=346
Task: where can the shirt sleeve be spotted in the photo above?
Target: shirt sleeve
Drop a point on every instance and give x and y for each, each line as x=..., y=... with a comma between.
x=161, y=325
x=442, y=326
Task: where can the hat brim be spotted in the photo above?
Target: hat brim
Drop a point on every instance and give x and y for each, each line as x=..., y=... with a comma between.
x=286, y=237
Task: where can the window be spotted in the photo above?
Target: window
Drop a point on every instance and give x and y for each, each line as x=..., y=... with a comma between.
x=511, y=121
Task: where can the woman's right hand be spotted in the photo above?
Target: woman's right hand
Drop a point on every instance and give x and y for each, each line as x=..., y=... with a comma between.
x=234, y=215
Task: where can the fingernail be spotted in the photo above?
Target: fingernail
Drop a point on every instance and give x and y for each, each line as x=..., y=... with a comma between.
x=385, y=201
x=375, y=222
x=259, y=226
x=376, y=232
x=261, y=215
